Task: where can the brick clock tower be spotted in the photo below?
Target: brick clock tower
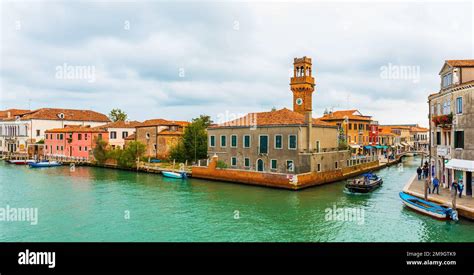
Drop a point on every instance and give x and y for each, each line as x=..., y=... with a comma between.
x=302, y=85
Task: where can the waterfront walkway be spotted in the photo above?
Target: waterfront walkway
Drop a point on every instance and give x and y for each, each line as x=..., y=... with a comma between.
x=464, y=205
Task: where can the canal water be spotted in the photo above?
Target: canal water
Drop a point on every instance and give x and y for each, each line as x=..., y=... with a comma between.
x=96, y=204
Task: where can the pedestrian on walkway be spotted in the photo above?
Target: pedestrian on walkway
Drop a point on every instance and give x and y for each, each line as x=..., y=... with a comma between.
x=428, y=185
x=460, y=187
x=425, y=172
x=436, y=185
x=454, y=187
x=418, y=171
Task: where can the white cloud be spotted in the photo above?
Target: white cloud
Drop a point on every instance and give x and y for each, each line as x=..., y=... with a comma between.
x=228, y=68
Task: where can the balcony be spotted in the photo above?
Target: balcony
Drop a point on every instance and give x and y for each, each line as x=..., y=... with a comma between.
x=443, y=121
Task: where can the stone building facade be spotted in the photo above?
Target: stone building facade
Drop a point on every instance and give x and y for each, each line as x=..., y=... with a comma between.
x=452, y=124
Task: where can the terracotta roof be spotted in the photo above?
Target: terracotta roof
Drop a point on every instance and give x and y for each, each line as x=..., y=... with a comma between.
x=340, y=115
x=282, y=117
x=163, y=122
x=69, y=114
x=385, y=131
x=11, y=113
x=130, y=137
x=419, y=129
x=76, y=129
x=461, y=63
x=120, y=124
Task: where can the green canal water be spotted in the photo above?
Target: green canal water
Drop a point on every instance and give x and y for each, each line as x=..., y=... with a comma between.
x=95, y=204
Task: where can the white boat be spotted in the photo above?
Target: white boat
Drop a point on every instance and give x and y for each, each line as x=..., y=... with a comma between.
x=21, y=161
x=174, y=175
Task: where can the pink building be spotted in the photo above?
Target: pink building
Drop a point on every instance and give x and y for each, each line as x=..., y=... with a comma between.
x=72, y=140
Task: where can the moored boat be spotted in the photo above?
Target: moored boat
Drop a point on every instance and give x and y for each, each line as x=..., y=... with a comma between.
x=44, y=164
x=174, y=175
x=429, y=208
x=21, y=161
x=365, y=184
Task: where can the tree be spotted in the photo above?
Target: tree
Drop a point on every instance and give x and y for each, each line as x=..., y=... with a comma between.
x=100, y=150
x=117, y=115
x=129, y=155
x=193, y=145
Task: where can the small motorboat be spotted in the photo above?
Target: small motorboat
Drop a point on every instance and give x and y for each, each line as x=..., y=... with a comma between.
x=429, y=208
x=21, y=161
x=365, y=184
x=44, y=164
x=174, y=175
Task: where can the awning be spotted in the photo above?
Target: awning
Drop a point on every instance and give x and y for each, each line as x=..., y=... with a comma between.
x=405, y=144
x=379, y=146
x=385, y=147
x=368, y=147
x=460, y=164
x=398, y=144
x=354, y=146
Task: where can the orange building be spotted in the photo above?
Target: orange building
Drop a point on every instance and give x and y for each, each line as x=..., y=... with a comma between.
x=356, y=126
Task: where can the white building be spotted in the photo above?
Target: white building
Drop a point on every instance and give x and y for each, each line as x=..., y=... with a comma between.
x=21, y=130
x=118, y=131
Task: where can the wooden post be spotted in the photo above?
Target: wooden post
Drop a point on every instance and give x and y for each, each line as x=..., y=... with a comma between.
x=454, y=193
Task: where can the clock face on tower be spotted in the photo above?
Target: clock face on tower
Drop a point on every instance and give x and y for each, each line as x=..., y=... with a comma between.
x=299, y=101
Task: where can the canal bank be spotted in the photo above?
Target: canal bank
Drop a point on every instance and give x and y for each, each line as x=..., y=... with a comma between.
x=464, y=205
x=96, y=204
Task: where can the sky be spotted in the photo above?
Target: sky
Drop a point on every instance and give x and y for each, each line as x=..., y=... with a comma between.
x=178, y=60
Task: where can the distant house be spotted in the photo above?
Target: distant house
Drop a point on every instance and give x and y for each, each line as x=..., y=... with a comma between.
x=356, y=126
x=159, y=136
x=118, y=131
x=72, y=141
x=19, y=131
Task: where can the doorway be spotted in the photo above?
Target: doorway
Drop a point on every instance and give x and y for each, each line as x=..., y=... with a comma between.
x=260, y=165
x=468, y=183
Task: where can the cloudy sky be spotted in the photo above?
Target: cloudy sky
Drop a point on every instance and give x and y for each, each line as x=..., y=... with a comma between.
x=177, y=60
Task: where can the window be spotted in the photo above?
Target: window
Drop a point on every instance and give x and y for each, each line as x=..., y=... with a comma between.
x=319, y=167
x=459, y=105
x=85, y=148
x=350, y=126
x=318, y=146
x=274, y=164
x=38, y=133
x=246, y=162
x=57, y=148
x=263, y=144
x=335, y=165
x=61, y=136
x=438, y=109
x=355, y=126
x=233, y=141
x=349, y=138
x=438, y=138
x=80, y=148
x=124, y=134
x=290, y=166
x=447, y=80
x=223, y=141
x=292, y=142
x=79, y=136
x=100, y=136
x=246, y=141
x=85, y=136
x=147, y=135
x=154, y=146
x=459, y=139
x=212, y=141
x=233, y=161
x=62, y=148
x=278, y=142
x=367, y=127
x=113, y=135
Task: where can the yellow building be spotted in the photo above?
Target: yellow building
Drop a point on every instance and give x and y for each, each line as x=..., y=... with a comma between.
x=355, y=125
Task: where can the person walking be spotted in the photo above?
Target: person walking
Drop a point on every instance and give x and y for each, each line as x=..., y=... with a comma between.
x=460, y=187
x=419, y=171
x=454, y=187
x=436, y=185
x=425, y=172
x=428, y=185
